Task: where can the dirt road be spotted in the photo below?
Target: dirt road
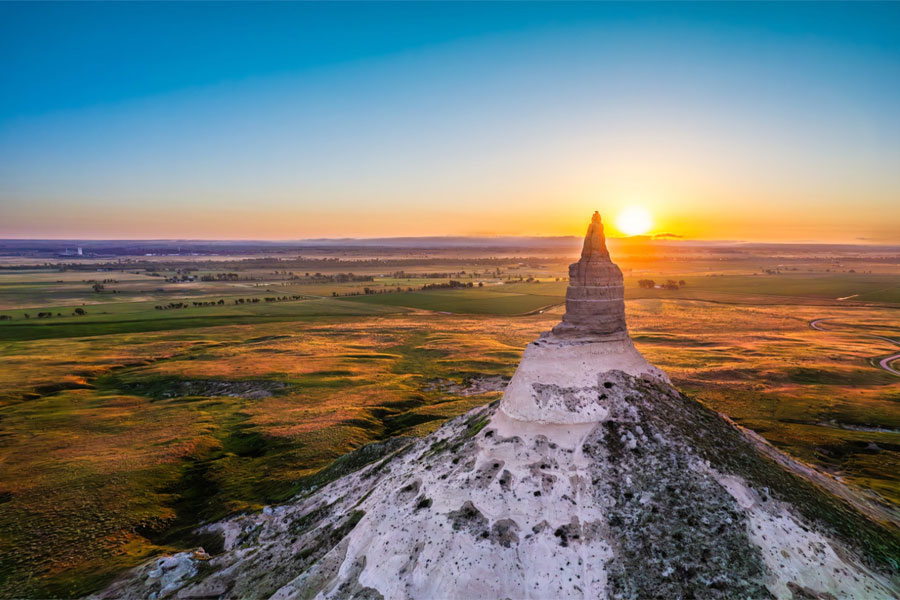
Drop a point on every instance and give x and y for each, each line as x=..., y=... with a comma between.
x=884, y=363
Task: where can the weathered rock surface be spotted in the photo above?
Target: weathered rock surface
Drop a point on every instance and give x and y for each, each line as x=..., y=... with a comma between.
x=592, y=478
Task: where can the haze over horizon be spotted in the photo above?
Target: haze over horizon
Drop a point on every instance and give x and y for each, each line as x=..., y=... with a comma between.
x=442, y=241
x=757, y=122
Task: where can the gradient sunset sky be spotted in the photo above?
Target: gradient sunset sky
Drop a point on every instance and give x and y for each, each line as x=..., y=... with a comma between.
x=283, y=121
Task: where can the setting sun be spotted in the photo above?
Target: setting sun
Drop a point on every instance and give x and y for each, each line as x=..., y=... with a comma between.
x=634, y=220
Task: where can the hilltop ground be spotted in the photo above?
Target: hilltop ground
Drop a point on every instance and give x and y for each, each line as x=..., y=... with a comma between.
x=123, y=428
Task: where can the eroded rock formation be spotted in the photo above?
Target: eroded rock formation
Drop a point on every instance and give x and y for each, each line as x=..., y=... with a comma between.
x=592, y=478
x=560, y=374
x=595, y=298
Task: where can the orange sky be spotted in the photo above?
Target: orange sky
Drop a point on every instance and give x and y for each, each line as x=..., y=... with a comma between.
x=774, y=122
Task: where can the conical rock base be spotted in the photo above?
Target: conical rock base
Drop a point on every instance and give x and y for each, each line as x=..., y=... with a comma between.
x=661, y=499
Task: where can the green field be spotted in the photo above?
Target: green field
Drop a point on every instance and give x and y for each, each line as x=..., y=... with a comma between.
x=141, y=316
x=522, y=298
x=119, y=315
x=510, y=299
x=875, y=288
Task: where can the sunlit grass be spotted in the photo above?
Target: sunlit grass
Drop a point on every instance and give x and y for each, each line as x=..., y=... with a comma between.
x=104, y=464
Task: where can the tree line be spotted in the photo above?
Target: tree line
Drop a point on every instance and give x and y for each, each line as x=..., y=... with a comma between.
x=670, y=284
x=78, y=312
x=221, y=302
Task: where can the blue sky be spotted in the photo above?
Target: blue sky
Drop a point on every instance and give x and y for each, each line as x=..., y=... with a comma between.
x=234, y=120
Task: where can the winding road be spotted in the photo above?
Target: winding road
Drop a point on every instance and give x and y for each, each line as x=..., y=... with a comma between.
x=884, y=363
x=815, y=324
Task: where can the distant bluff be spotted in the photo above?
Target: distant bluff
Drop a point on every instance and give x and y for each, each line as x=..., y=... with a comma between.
x=591, y=478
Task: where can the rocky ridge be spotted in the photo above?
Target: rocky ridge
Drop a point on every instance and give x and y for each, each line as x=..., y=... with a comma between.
x=591, y=478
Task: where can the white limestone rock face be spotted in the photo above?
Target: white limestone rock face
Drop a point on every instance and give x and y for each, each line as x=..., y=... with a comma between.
x=663, y=498
x=561, y=381
x=591, y=478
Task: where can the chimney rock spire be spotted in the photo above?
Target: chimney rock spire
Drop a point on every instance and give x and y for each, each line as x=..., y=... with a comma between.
x=595, y=298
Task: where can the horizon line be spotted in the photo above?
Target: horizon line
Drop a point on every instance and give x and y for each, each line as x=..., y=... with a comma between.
x=499, y=237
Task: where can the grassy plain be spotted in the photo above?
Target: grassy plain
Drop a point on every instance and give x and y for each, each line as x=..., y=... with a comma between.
x=123, y=429
x=114, y=445
x=134, y=317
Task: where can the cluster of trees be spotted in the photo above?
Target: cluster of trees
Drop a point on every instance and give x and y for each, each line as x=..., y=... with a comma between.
x=340, y=278
x=221, y=302
x=183, y=275
x=371, y=291
x=99, y=288
x=472, y=275
x=267, y=299
x=670, y=284
x=405, y=275
x=318, y=277
x=220, y=277
x=171, y=305
x=45, y=314
x=452, y=284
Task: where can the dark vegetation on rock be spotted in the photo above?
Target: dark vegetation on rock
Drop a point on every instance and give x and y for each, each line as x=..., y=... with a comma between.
x=678, y=534
x=727, y=449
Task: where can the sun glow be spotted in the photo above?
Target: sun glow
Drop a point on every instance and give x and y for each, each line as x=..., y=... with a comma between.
x=634, y=220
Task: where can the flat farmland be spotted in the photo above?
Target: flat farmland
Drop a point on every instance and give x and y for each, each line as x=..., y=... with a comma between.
x=132, y=317
x=518, y=298
x=840, y=287
x=510, y=299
